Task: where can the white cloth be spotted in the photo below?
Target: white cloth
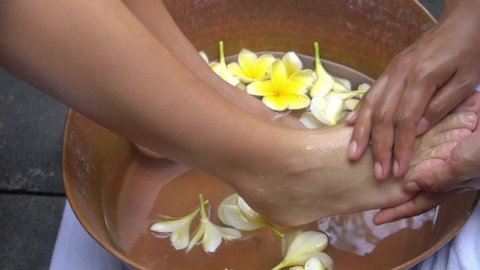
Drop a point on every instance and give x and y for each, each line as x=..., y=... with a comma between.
x=462, y=252
x=76, y=250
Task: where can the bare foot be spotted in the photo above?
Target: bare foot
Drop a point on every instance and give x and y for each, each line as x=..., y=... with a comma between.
x=323, y=182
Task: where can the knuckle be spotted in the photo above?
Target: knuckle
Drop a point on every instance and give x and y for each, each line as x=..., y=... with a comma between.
x=436, y=107
x=422, y=70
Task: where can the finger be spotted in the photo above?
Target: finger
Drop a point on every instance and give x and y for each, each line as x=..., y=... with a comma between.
x=434, y=175
x=362, y=128
x=418, y=93
x=382, y=118
x=419, y=204
x=445, y=100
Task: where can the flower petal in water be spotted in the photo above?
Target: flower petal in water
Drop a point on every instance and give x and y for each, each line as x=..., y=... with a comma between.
x=250, y=67
x=303, y=246
x=328, y=110
x=309, y=121
x=221, y=68
x=177, y=228
x=283, y=92
x=325, y=81
x=341, y=85
x=235, y=212
x=209, y=234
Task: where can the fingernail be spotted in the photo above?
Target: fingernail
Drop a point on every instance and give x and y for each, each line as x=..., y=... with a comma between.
x=396, y=168
x=351, y=116
x=352, y=149
x=378, y=170
x=422, y=125
x=470, y=118
x=412, y=186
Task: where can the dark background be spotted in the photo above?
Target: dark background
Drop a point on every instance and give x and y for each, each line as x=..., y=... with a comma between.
x=31, y=190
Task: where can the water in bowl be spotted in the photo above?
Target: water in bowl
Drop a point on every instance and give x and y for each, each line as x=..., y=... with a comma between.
x=160, y=186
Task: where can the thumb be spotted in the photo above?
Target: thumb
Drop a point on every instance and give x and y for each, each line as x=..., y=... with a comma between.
x=433, y=175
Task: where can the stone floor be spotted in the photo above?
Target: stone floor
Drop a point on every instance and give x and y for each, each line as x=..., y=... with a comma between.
x=31, y=191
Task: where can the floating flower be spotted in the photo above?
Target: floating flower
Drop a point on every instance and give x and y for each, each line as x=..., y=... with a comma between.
x=301, y=247
x=235, y=212
x=284, y=90
x=341, y=85
x=250, y=67
x=221, y=68
x=331, y=109
x=209, y=234
x=177, y=228
x=325, y=81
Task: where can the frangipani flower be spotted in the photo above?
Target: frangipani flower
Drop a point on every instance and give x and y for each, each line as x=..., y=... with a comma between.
x=177, y=228
x=284, y=91
x=301, y=246
x=235, y=212
x=331, y=109
x=250, y=67
x=221, y=68
x=328, y=110
x=209, y=234
x=325, y=81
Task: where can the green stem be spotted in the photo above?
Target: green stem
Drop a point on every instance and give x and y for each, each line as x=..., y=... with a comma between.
x=317, y=53
x=222, y=54
x=203, y=203
x=276, y=231
x=279, y=266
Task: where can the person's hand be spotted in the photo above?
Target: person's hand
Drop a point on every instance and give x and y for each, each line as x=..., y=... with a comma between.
x=310, y=176
x=437, y=179
x=420, y=86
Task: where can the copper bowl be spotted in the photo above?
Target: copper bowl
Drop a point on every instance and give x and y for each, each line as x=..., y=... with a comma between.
x=363, y=35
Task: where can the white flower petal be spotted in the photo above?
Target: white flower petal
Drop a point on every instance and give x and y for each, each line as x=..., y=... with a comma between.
x=341, y=85
x=304, y=246
x=309, y=121
x=180, y=237
x=230, y=200
x=326, y=260
x=292, y=63
x=351, y=104
x=204, y=56
x=364, y=87
x=237, y=220
x=229, y=233
x=334, y=111
x=247, y=60
x=168, y=226
x=296, y=268
x=313, y=264
x=246, y=209
x=212, y=238
x=197, y=235
x=321, y=86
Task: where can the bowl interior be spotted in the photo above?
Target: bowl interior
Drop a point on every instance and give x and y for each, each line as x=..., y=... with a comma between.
x=359, y=34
